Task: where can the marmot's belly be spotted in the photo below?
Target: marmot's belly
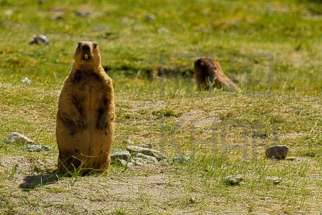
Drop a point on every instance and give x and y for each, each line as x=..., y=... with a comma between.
x=89, y=141
x=92, y=140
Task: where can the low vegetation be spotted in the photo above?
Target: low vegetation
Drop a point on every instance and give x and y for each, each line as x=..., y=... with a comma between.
x=271, y=49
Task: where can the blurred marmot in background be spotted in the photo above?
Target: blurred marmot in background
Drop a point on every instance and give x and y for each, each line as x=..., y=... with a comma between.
x=208, y=74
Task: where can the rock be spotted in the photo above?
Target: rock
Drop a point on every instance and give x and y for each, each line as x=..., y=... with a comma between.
x=265, y=198
x=192, y=200
x=234, y=180
x=37, y=148
x=38, y=39
x=16, y=137
x=276, y=180
x=137, y=149
x=146, y=158
x=46, y=148
x=124, y=155
x=84, y=13
x=26, y=80
x=277, y=152
x=150, y=17
x=33, y=148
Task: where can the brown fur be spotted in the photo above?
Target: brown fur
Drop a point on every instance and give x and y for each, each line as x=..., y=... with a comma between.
x=208, y=74
x=85, y=117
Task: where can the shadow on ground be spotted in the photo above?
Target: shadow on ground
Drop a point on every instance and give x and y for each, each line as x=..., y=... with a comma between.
x=31, y=182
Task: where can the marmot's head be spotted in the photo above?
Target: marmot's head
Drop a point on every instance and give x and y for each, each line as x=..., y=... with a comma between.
x=87, y=55
x=204, y=66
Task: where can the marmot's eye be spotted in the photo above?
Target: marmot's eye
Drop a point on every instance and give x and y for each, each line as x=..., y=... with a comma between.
x=95, y=45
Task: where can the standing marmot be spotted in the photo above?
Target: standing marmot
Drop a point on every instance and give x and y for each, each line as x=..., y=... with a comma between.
x=85, y=117
x=208, y=73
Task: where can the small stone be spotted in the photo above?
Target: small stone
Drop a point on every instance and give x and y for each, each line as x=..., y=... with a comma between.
x=33, y=148
x=137, y=149
x=18, y=138
x=37, y=147
x=46, y=148
x=192, y=200
x=84, y=13
x=26, y=80
x=150, y=17
x=277, y=152
x=276, y=180
x=38, y=39
x=265, y=198
x=234, y=180
x=147, y=158
x=124, y=155
x=1, y=172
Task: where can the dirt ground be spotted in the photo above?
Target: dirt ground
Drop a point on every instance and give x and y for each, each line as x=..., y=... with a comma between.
x=151, y=190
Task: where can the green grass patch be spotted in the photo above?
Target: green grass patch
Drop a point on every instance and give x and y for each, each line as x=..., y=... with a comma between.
x=270, y=48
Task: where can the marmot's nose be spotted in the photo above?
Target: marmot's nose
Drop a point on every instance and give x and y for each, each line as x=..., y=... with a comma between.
x=85, y=47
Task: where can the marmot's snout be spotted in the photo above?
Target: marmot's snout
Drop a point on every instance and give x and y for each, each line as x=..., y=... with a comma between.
x=85, y=47
x=86, y=52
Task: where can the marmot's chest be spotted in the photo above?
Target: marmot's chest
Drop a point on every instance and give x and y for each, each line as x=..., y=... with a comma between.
x=88, y=87
x=87, y=81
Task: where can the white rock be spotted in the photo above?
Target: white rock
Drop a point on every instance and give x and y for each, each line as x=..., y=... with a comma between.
x=16, y=137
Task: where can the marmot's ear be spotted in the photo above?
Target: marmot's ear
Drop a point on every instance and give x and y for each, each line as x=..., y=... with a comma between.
x=94, y=45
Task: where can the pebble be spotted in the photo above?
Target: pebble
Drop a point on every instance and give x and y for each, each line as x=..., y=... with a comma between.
x=38, y=39
x=276, y=180
x=147, y=158
x=84, y=13
x=18, y=138
x=123, y=155
x=137, y=149
x=265, y=198
x=138, y=155
x=234, y=180
x=150, y=17
x=37, y=148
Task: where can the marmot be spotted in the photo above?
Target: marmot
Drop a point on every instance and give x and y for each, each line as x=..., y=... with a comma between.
x=208, y=74
x=85, y=117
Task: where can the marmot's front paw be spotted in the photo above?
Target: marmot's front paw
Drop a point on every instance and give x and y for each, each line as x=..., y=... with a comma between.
x=80, y=121
x=102, y=124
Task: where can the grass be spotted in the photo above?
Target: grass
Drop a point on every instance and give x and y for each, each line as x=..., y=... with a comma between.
x=271, y=48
